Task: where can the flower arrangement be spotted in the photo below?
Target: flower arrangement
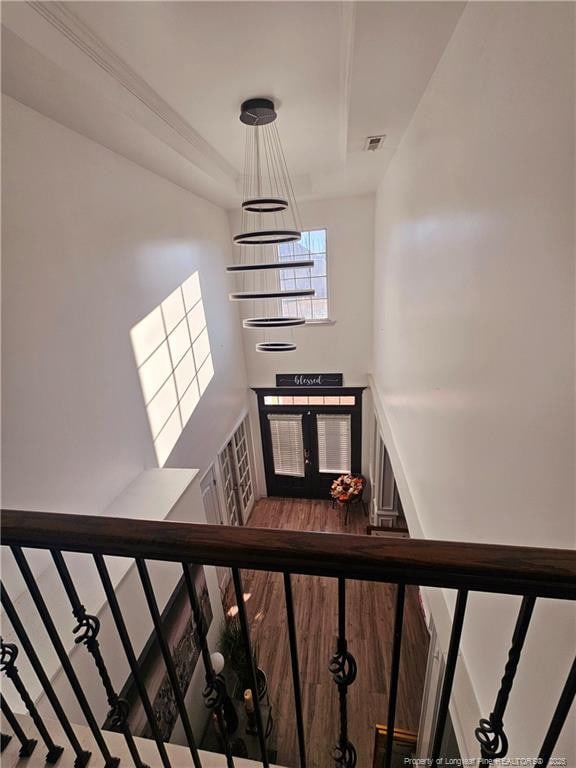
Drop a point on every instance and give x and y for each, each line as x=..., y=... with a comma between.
x=346, y=487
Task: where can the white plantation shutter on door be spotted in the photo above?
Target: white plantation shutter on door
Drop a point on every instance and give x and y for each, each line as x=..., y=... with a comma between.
x=287, y=444
x=334, y=443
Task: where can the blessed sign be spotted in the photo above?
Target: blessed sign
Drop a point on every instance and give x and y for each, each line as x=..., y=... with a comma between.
x=309, y=379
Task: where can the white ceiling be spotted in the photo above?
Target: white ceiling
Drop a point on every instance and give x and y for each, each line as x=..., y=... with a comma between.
x=162, y=82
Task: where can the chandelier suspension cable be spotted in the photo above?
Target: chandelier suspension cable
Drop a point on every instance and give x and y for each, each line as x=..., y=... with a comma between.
x=287, y=179
x=279, y=153
x=272, y=257
x=274, y=186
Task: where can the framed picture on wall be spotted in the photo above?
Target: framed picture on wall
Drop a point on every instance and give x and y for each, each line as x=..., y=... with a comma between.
x=184, y=643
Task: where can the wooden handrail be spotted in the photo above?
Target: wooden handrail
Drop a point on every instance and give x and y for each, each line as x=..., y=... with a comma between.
x=482, y=567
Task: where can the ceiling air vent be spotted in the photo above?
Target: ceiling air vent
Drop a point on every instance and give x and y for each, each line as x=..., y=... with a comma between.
x=373, y=143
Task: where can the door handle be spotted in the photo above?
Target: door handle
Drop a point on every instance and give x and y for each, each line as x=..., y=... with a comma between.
x=306, y=456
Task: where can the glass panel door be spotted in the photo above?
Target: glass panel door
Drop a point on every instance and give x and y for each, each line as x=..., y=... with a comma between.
x=243, y=468
x=236, y=468
x=230, y=486
x=334, y=437
x=309, y=438
x=287, y=444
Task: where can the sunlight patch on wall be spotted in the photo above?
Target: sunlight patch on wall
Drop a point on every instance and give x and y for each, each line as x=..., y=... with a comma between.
x=172, y=352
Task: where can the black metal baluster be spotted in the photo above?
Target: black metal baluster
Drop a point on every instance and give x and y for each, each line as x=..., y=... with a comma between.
x=87, y=631
x=559, y=717
x=28, y=745
x=343, y=670
x=214, y=693
x=451, y=659
x=168, y=661
x=5, y=739
x=490, y=732
x=82, y=755
x=295, y=668
x=41, y=607
x=394, y=672
x=131, y=656
x=238, y=589
x=8, y=655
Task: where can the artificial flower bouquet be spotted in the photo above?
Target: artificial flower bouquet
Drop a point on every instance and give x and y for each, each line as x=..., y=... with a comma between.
x=347, y=487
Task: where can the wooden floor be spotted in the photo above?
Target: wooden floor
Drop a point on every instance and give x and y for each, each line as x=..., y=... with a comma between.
x=370, y=612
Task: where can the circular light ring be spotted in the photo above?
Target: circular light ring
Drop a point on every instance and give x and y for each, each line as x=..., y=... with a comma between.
x=257, y=112
x=275, y=346
x=265, y=205
x=270, y=265
x=273, y=322
x=252, y=295
x=267, y=237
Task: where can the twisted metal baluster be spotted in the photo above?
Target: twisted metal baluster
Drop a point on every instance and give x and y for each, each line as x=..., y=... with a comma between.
x=62, y=653
x=343, y=670
x=8, y=655
x=490, y=731
x=214, y=693
x=86, y=632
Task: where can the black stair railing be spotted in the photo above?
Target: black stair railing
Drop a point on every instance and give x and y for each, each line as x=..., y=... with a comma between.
x=168, y=660
x=293, y=642
x=131, y=657
x=238, y=589
x=530, y=573
x=394, y=672
x=8, y=655
x=86, y=632
x=490, y=732
x=82, y=755
x=214, y=694
x=27, y=746
x=343, y=670
x=448, y=682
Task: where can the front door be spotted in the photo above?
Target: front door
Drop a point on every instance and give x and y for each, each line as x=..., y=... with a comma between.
x=309, y=440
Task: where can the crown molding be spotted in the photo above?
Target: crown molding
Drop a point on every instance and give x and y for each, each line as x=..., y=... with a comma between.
x=77, y=32
x=348, y=28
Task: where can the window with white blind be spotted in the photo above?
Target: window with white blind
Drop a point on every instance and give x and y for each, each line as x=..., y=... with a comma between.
x=287, y=444
x=334, y=443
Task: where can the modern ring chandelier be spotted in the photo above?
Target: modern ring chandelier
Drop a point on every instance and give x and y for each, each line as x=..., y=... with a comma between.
x=270, y=222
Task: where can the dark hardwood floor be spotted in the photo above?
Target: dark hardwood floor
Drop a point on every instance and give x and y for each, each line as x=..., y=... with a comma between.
x=370, y=616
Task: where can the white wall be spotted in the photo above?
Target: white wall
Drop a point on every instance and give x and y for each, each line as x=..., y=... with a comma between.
x=474, y=325
x=345, y=346
x=92, y=243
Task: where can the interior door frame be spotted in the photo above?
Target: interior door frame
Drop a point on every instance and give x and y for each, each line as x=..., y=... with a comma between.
x=223, y=574
x=244, y=418
x=354, y=410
